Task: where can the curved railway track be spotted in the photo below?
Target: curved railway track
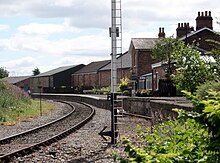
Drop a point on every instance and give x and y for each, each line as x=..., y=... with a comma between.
x=26, y=142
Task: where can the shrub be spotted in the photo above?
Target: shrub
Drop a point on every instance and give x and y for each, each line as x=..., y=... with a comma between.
x=203, y=90
x=194, y=137
x=123, y=84
x=171, y=141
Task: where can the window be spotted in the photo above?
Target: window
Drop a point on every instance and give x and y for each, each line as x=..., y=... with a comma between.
x=149, y=81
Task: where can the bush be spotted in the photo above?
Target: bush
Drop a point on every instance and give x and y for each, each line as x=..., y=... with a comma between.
x=194, y=137
x=171, y=141
x=203, y=90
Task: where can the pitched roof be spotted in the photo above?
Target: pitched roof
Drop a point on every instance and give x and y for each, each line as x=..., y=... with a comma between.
x=15, y=79
x=194, y=33
x=92, y=67
x=143, y=43
x=123, y=61
x=55, y=71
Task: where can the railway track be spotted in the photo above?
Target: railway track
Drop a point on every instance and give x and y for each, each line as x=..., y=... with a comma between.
x=26, y=142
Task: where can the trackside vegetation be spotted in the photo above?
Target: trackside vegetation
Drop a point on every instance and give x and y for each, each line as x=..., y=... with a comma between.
x=193, y=137
x=16, y=105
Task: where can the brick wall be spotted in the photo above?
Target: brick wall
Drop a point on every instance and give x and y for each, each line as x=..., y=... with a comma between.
x=144, y=60
x=104, y=78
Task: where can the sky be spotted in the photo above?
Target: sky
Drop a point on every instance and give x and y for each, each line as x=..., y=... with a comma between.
x=47, y=34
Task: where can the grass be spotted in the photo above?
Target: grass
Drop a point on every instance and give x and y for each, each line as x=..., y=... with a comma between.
x=17, y=106
x=12, y=117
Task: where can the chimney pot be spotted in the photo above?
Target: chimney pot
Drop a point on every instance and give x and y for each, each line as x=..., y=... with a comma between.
x=210, y=13
x=161, y=33
x=178, y=25
x=206, y=13
x=181, y=24
x=202, y=14
x=198, y=14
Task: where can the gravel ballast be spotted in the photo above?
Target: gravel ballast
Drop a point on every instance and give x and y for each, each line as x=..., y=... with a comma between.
x=84, y=145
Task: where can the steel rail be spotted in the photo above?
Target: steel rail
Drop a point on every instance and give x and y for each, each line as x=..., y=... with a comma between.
x=29, y=148
x=10, y=138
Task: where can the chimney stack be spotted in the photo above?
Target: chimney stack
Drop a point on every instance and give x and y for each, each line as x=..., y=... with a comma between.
x=183, y=29
x=161, y=33
x=204, y=20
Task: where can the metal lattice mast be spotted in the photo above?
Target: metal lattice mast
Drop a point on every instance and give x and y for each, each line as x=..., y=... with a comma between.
x=116, y=40
x=116, y=48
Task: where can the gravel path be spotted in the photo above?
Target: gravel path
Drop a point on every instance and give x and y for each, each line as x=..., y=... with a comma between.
x=85, y=145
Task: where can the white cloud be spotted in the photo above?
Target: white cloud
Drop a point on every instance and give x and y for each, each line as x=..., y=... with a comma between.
x=41, y=29
x=82, y=36
x=22, y=62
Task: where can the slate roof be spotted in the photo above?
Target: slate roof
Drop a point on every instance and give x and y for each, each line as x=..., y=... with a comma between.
x=143, y=43
x=123, y=61
x=15, y=79
x=194, y=33
x=55, y=71
x=93, y=67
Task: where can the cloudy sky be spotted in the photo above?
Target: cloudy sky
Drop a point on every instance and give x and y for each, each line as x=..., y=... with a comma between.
x=51, y=33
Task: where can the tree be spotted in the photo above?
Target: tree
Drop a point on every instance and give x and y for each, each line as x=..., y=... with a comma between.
x=3, y=72
x=163, y=51
x=192, y=69
x=184, y=63
x=215, y=52
x=36, y=71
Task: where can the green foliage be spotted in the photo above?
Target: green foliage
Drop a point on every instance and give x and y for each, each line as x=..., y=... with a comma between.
x=191, y=68
x=171, y=141
x=164, y=51
x=208, y=112
x=12, y=98
x=188, y=63
x=202, y=91
x=122, y=87
x=193, y=137
x=123, y=84
x=3, y=72
x=164, y=47
x=215, y=53
x=36, y=71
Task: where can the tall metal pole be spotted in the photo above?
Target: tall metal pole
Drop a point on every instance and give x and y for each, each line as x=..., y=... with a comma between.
x=113, y=71
x=114, y=49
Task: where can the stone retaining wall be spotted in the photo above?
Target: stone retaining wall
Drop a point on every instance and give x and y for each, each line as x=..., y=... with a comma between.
x=91, y=100
x=155, y=107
